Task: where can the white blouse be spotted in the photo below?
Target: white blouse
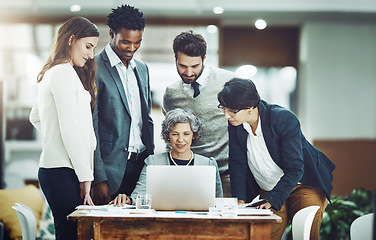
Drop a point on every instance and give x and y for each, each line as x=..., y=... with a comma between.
x=266, y=172
x=62, y=114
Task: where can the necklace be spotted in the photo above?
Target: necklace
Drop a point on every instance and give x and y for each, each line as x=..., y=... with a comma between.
x=173, y=161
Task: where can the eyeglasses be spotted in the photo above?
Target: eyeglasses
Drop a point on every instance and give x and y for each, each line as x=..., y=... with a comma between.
x=231, y=112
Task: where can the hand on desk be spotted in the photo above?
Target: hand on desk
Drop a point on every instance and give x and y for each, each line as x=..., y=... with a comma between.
x=259, y=204
x=121, y=200
x=266, y=205
x=85, y=192
x=101, y=193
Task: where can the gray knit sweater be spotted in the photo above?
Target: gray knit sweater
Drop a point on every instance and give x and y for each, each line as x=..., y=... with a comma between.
x=214, y=142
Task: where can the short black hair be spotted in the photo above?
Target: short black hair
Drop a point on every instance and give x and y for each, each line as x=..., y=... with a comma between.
x=191, y=44
x=239, y=93
x=127, y=17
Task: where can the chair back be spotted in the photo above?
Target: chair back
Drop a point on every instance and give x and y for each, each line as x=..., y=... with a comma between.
x=24, y=206
x=302, y=222
x=361, y=228
x=27, y=221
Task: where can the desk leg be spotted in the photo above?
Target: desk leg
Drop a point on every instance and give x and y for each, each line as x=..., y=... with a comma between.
x=97, y=230
x=260, y=231
x=85, y=230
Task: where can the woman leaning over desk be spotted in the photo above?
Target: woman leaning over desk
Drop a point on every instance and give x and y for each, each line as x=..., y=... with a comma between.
x=180, y=129
x=62, y=113
x=269, y=156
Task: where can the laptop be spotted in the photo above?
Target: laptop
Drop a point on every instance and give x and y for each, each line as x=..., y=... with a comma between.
x=181, y=187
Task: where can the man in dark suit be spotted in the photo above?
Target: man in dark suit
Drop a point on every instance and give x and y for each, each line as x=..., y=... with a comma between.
x=122, y=122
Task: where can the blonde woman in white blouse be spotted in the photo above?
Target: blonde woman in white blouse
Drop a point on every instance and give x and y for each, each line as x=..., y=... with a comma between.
x=63, y=116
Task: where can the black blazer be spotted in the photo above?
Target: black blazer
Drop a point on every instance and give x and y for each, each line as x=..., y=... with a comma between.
x=299, y=160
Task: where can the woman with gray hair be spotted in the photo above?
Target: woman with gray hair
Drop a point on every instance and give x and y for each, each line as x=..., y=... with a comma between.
x=180, y=129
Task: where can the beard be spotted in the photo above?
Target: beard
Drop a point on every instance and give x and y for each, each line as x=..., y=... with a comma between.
x=191, y=79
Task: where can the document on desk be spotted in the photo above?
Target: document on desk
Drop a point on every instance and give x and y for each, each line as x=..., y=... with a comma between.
x=113, y=211
x=105, y=207
x=254, y=212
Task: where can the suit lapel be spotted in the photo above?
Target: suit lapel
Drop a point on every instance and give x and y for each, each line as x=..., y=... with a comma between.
x=140, y=83
x=266, y=128
x=144, y=111
x=116, y=78
x=242, y=137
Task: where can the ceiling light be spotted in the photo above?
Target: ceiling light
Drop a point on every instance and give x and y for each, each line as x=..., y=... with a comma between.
x=75, y=8
x=246, y=71
x=211, y=29
x=218, y=10
x=260, y=24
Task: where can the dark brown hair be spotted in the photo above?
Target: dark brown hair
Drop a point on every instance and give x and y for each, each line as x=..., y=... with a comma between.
x=191, y=44
x=79, y=27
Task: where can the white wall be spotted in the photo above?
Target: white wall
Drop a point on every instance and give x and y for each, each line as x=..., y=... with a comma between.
x=337, y=82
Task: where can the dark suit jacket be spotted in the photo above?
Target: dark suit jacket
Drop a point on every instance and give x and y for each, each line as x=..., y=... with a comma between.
x=112, y=121
x=299, y=160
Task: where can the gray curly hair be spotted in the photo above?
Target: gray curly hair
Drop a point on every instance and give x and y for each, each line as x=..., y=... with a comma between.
x=179, y=115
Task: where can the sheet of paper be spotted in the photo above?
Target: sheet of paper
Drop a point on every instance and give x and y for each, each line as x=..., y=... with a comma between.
x=118, y=212
x=253, y=211
x=104, y=207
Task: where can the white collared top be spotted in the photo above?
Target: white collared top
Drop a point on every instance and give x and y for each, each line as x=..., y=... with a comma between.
x=265, y=171
x=129, y=80
x=202, y=81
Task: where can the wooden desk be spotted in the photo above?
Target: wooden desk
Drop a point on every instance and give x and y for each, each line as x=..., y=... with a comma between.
x=183, y=226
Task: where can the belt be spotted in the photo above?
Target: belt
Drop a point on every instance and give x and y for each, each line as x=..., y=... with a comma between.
x=133, y=156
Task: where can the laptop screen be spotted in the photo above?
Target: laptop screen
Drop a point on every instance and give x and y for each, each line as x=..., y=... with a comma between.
x=181, y=187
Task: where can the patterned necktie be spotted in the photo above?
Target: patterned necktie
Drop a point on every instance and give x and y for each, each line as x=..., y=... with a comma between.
x=196, y=88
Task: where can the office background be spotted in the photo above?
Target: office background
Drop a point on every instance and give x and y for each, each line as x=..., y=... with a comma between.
x=316, y=58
